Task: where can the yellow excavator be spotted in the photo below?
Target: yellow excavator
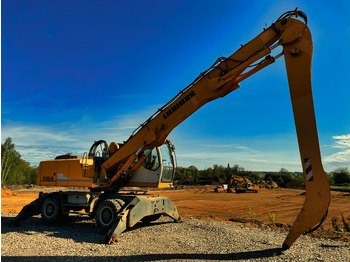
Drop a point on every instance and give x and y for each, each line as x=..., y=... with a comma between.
x=241, y=185
x=147, y=158
x=237, y=184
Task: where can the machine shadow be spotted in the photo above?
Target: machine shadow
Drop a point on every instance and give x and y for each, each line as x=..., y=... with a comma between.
x=267, y=253
x=70, y=229
x=67, y=230
x=154, y=223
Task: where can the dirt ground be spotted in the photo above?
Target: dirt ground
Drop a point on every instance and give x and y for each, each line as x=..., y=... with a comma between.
x=250, y=209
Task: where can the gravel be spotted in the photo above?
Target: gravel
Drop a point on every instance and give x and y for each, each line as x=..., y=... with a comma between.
x=162, y=240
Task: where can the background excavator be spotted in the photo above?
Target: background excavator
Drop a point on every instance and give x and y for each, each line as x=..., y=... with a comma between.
x=237, y=184
x=241, y=185
x=147, y=158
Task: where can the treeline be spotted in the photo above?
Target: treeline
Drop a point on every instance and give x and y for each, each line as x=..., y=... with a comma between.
x=15, y=170
x=283, y=178
x=221, y=174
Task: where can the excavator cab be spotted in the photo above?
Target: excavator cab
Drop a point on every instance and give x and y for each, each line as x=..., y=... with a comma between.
x=158, y=169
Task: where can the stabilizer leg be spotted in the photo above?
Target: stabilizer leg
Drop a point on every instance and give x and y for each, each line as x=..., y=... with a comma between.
x=27, y=211
x=136, y=210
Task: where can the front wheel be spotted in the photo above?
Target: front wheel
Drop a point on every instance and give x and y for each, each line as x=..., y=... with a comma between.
x=106, y=213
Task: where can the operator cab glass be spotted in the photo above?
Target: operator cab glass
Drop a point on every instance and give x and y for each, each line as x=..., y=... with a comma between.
x=152, y=160
x=168, y=163
x=163, y=155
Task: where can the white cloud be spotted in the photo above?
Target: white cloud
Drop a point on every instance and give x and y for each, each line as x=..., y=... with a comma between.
x=342, y=141
x=342, y=157
x=36, y=143
x=342, y=137
x=339, y=157
x=229, y=146
x=242, y=147
x=27, y=135
x=41, y=142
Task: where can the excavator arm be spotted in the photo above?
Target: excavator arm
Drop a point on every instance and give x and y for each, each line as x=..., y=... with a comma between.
x=298, y=56
x=221, y=79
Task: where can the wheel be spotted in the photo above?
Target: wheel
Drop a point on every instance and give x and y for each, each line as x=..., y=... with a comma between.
x=106, y=213
x=51, y=211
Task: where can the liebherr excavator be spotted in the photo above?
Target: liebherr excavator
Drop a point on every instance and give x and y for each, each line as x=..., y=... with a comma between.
x=146, y=159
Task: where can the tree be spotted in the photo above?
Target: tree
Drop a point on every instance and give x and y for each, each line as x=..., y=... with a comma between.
x=180, y=173
x=283, y=171
x=193, y=171
x=341, y=175
x=254, y=176
x=14, y=170
x=268, y=178
x=10, y=159
x=237, y=169
x=228, y=171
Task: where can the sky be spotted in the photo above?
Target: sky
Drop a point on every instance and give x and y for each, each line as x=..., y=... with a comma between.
x=73, y=72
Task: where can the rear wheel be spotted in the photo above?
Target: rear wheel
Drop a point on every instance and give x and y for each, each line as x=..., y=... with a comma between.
x=51, y=211
x=106, y=213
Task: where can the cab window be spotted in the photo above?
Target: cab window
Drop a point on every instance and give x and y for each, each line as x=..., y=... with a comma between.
x=152, y=161
x=168, y=168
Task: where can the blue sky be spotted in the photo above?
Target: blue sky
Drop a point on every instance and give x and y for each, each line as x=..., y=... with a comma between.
x=77, y=71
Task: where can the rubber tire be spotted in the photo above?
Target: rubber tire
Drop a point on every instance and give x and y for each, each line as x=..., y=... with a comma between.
x=106, y=213
x=121, y=203
x=51, y=211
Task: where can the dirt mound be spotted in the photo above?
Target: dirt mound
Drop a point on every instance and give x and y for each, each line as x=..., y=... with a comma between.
x=5, y=193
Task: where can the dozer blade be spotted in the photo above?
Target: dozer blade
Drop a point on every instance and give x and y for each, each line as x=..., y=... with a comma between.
x=139, y=208
x=298, y=55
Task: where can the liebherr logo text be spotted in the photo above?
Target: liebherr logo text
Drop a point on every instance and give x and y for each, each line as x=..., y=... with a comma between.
x=179, y=104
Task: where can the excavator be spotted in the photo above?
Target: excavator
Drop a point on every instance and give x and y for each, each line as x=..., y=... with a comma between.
x=241, y=185
x=237, y=184
x=147, y=158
